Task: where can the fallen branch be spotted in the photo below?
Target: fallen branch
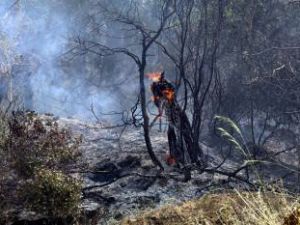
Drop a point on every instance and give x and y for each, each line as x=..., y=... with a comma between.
x=159, y=175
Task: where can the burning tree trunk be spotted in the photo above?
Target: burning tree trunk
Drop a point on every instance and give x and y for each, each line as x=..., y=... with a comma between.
x=147, y=38
x=181, y=144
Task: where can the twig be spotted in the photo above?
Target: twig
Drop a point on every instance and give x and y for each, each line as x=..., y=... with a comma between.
x=94, y=114
x=13, y=5
x=116, y=179
x=272, y=48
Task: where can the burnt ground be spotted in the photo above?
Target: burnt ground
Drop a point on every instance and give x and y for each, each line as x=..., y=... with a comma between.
x=128, y=182
x=121, y=161
x=120, y=179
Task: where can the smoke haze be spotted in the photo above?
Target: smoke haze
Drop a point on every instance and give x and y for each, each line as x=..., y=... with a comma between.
x=43, y=31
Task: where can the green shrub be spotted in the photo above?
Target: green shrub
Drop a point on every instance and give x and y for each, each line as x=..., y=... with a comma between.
x=3, y=130
x=36, y=158
x=33, y=143
x=52, y=194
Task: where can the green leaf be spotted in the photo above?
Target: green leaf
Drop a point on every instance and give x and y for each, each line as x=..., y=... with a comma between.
x=230, y=123
x=227, y=136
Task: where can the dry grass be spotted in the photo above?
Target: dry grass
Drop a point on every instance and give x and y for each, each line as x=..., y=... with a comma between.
x=236, y=208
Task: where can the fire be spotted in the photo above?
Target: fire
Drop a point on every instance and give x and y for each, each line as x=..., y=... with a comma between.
x=169, y=94
x=154, y=98
x=170, y=160
x=155, y=77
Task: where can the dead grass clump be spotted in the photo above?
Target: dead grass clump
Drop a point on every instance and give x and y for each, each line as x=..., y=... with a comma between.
x=238, y=208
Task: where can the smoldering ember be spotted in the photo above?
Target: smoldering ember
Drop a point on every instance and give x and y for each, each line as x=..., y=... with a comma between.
x=149, y=112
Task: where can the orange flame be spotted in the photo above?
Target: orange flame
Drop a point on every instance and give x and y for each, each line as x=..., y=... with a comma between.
x=155, y=98
x=169, y=94
x=170, y=160
x=155, y=77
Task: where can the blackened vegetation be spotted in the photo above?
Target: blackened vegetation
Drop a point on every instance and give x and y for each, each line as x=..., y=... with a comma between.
x=147, y=38
x=195, y=61
x=227, y=59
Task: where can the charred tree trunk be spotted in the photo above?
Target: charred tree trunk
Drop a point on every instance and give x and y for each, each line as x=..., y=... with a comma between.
x=180, y=136
x=145, y=114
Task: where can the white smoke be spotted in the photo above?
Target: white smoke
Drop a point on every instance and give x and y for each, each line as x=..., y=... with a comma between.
x=42, y=31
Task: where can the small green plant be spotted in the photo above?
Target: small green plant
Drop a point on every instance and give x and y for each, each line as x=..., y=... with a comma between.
x=230, y=138
x=52, y=194
x=239, y=143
